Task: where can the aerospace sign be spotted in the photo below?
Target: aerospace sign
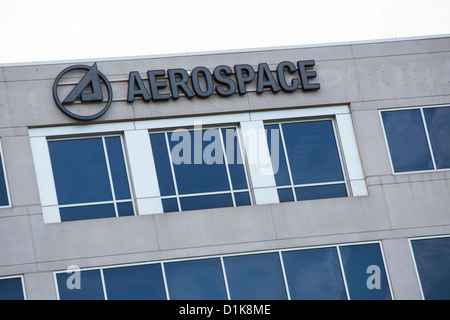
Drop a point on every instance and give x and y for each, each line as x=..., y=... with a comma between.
x=163, y=85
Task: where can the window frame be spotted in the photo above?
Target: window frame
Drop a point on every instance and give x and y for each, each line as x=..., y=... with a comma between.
x=24, y=292
x=292, y=185
x=427, y=136
x=222, y=257
x=231, y=190
x=141, y=166
x=410, y=240
x=114, y=201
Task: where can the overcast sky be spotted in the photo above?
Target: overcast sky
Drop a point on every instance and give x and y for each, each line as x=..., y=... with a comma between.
x=48, y=30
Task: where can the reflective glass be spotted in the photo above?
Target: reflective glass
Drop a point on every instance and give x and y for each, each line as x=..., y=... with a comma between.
x=170, y=205
x=364, y=272
x=312, y=152
x=234, y=158
x=80, y=171
x=162, y=164
x=206, y=202
x=195, y=280
x=285, y=195
x=314, y=274
x=242, y=199
x=3, y=191
x=200, y=166
x=255, y=277
x=407, y=140
x=432, y=258
x=125, y=209
x=11, y=289
x=438, y=125
x=321, y=192
x=118, y=168
x=87, y=212
x=90, y=286
x=139, y=282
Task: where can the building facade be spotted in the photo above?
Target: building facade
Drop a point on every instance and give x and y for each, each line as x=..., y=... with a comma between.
x=314, y=172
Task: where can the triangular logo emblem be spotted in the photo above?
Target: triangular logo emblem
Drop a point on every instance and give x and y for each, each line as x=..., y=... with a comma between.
x=90, y=78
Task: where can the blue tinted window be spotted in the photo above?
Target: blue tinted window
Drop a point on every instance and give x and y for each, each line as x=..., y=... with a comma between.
x=432, y=258
x=438, y=125
x=170, y=205
x=285, y=195
x=314, y=274
x=140, y=282
x=11, y=289
x=207, y=162
x=118, y=168
x=196, y=280
x=90, y=286
x=255, y=277
x=80, y=171
x=206, y=202
x=312, y=152
x=4, y=201
x=162, y=164
x=88, y=171
x=195, y=175
x=242, y=199
x=87, y=212
x=364, y=272
x=276, y=150
x=321, y=192
x=407, y=140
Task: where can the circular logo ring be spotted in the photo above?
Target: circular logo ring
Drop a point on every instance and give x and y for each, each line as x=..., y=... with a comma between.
x=71, y=114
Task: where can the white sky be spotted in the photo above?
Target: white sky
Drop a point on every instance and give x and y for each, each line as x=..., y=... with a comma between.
x=43, y=30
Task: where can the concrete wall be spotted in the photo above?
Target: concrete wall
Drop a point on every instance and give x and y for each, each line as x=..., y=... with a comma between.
x=367, y=76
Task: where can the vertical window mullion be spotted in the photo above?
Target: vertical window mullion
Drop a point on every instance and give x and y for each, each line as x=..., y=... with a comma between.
x=427, y=134
x=225, y=278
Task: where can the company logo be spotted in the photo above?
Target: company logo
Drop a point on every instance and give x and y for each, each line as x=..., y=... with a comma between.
x=84, y=101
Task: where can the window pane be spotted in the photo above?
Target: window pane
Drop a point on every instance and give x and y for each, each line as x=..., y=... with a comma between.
x=193, y=174
x=234, y=158
x=90, y=284
x=438, y=124
x=277, y=155
x=364, y=272
x=125, y=209
x=314, y=274
x=196, y=280
x=80, y=171
x=242, y=199
x=255, y=277
x=206, y=202
x=285, y=195
x=312, y=152
x=3, y=191
x=433, y=265
x=321, y=192
x=162, y=164
x=118, y=168
x=141, y=282
x=170, y=205
x=407, y=140
x=87, y=212
x=11, y=289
